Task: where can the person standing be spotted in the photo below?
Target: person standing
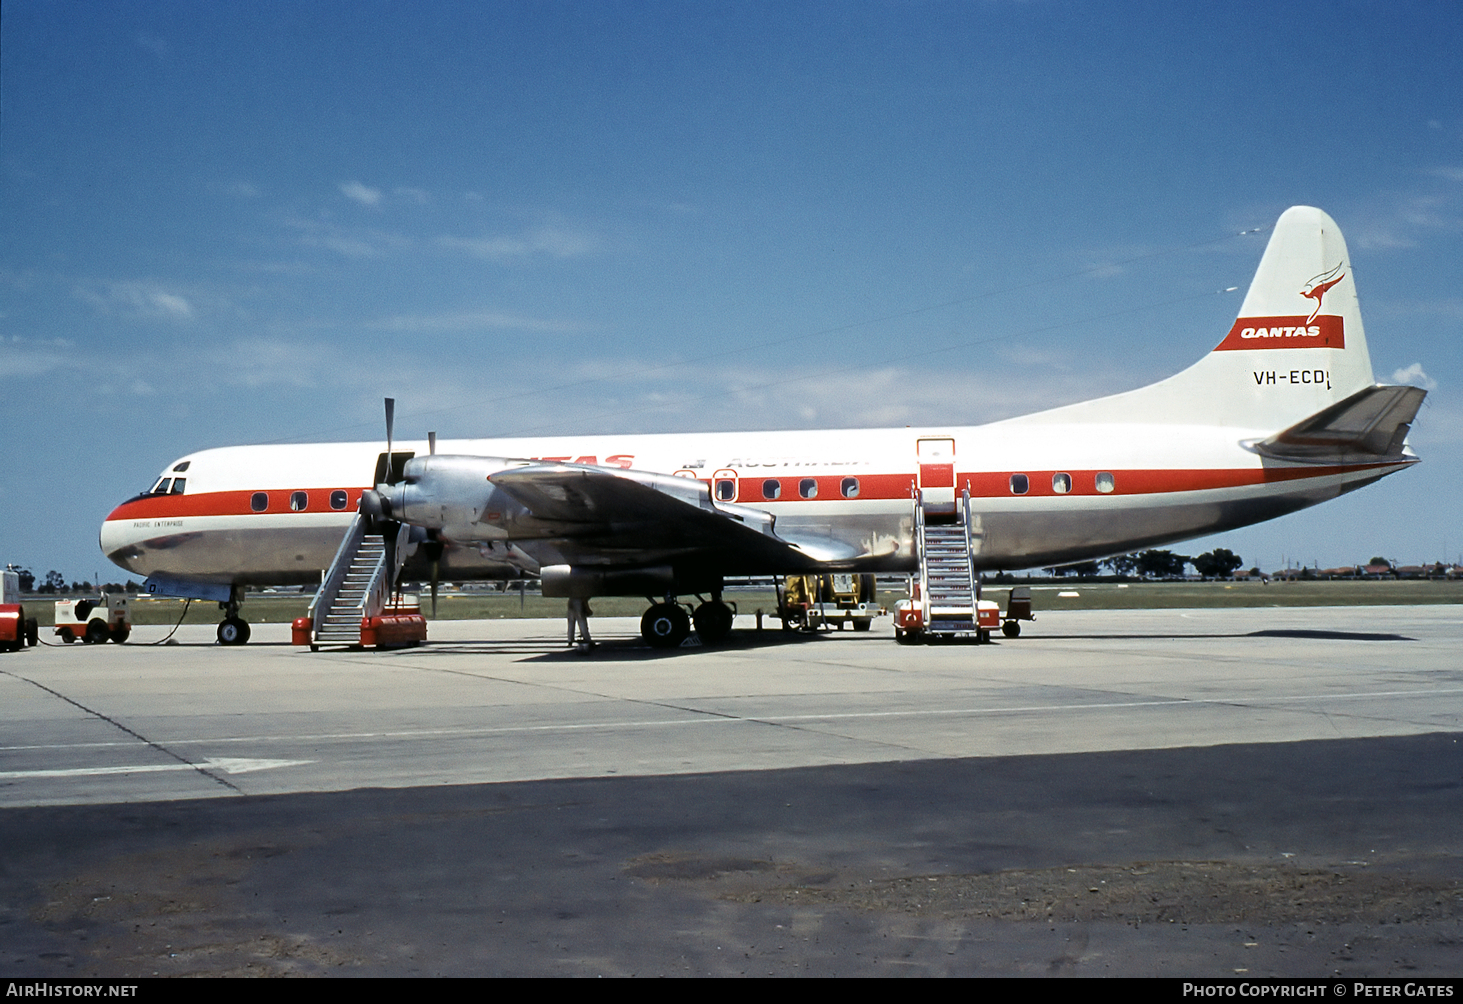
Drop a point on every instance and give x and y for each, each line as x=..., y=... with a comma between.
x=579, y=614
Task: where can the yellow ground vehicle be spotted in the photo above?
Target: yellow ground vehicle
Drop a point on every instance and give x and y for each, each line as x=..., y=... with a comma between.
x=809, y=602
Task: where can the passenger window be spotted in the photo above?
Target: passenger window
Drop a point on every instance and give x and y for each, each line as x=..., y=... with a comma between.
x=726, y=489
x=808, y=488
x=1020, y=484
x=849, y=488
x=1105, y=482
x=337, y=499
x=771, y=488
x=298, y=501
x=259, y=501
x=1061, y=483
x=178, y=485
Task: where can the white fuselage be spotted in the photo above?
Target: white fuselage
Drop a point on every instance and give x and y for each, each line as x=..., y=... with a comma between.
x=265, y=514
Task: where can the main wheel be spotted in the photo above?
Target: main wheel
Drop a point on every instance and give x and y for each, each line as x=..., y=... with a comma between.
x=713, y=621
x=1011, y=629
x=862, y=624
x=233, y=631
x=120, y=633
x=97, y=631
x=67, y=637
x=665, y=625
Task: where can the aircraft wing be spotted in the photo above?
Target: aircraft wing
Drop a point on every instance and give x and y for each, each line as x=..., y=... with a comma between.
x=598, y=512
x=1368, y=426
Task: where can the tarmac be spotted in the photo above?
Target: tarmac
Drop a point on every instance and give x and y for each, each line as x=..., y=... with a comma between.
x=1179, y=792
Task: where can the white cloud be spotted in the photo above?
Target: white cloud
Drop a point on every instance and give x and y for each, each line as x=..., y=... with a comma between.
x=363, y=194
x=552, y=241
x=473, y=321
x=1414, y=375
x=174, y=306
x=22, y=357
x=350, y=242
x=415, y=196
x=139, y=300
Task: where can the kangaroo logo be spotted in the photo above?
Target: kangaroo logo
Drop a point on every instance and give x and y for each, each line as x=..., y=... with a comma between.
x=1316, y=287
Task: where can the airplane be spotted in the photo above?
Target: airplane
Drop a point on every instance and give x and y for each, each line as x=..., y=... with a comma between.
x=1282, y=414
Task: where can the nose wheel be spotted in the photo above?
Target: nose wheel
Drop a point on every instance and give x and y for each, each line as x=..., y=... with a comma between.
x=233, y=631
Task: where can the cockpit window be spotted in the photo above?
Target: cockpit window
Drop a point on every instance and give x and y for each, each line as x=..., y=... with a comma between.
x=161, y=488
x=178, y=485
x=180, y=468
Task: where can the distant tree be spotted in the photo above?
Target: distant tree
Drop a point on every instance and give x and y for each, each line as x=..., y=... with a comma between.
x=1219, y=563
x=1380, y=561
x=1161, y=564
x=1122, y=564
x=55, y=582
x=27, y=579
x=1084, y=569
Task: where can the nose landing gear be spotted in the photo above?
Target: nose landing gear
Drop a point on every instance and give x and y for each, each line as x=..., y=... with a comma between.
x=233, y=630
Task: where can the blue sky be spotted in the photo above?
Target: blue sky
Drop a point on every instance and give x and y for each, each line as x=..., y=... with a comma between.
x=232, y=223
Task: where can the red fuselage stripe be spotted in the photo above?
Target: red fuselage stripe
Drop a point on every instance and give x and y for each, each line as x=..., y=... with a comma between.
x=751, y=489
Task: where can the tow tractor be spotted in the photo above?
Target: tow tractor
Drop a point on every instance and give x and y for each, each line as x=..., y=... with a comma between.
x=15, y=630
x=809, y=602
x=94, y=621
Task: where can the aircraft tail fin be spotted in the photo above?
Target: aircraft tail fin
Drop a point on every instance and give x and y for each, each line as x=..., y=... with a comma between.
x=1296, y=349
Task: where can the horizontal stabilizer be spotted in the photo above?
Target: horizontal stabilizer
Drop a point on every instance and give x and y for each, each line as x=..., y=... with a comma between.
x=1369, y=425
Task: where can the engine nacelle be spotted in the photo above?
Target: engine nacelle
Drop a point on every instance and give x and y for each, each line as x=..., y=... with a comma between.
x=452, y=495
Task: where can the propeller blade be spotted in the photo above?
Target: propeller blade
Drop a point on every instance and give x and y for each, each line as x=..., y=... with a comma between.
x=431, y=444
x=390, y=421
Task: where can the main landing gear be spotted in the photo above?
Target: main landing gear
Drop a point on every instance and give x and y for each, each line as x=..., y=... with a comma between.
x=233, y=630
x=666, y=624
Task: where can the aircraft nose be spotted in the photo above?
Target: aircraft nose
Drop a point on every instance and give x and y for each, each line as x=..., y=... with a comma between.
x=119, y=544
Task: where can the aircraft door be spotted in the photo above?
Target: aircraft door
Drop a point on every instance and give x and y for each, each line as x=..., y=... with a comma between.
x=937, y=475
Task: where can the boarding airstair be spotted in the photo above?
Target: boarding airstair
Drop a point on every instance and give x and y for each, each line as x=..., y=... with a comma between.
x=356, y=589
x=949, y=589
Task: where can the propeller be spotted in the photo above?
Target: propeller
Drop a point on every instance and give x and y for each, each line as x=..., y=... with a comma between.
x=390, y=421
x=387, y=526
